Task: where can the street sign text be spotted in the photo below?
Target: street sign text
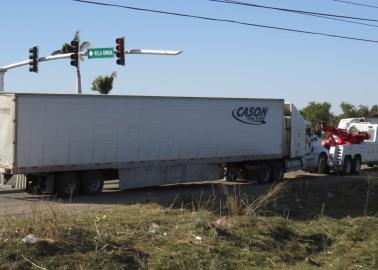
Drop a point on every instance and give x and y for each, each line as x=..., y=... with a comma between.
x=100, y=53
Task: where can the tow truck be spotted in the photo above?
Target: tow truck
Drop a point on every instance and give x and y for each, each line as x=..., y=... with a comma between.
x=353, y=143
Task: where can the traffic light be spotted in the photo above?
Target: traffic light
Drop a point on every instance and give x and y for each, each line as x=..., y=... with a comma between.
x=120, y=51
x=75, y=53
x=33, y=56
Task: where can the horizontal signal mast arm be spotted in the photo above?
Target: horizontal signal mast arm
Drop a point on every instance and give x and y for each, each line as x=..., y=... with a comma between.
x=152, y=52
x=68, y=55
x=41, y=59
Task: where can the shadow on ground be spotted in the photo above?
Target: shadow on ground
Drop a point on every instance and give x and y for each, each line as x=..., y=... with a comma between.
x=303, y=196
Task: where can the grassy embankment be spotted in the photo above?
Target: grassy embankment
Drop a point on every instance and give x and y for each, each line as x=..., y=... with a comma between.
x=292, y=226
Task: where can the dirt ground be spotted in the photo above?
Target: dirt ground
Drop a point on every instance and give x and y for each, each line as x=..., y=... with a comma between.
x=305, y=195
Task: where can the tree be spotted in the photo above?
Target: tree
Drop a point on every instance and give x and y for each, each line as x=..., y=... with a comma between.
x=374, y=111
x=104, y=84
x=350, y=111
x=363, y=111
x=316, y=112
x=66, y=48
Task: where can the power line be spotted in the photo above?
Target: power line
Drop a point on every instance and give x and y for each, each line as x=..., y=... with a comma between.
x=226, y=21
x=293, y=10
x=299, y=12
x=342, y=20
x=356, y=4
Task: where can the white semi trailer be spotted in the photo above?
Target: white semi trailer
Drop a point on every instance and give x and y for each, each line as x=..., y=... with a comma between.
x=71, y=143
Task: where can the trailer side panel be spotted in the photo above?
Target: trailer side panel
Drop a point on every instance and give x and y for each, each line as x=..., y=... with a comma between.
x=60, y=131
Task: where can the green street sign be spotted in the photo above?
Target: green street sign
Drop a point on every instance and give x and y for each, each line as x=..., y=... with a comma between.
x=100, y=53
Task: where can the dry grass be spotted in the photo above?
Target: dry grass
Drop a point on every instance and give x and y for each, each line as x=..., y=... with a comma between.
x=233, y=232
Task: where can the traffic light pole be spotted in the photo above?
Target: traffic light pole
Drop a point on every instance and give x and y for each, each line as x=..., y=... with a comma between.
x=68, y=55
x=2, y=74
x=24, y=63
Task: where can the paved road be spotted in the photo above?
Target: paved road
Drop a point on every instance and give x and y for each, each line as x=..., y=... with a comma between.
x=22, y=203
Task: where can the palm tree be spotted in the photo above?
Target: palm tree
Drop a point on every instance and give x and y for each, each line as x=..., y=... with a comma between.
x=66, y=48
x=104, y=84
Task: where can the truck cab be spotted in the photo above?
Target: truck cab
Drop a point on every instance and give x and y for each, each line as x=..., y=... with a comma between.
x=304, y=149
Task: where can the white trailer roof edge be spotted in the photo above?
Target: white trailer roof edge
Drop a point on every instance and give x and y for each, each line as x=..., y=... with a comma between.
x=139, y=96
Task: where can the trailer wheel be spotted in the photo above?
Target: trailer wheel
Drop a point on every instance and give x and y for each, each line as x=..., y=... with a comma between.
x=67, y=184
x=347, y=166
x=91, y=182
x=278, y=171
x=265, y=173
x=33, y=185
x=356, y=168
x=323, y=164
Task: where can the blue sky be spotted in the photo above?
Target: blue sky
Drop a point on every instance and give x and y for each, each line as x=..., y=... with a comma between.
x=219, y=59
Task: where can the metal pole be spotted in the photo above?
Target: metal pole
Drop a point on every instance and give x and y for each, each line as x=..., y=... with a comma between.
x=68, y=55
x=26, y=62
x=78, y=80
x=152, y=52
x=2, y=74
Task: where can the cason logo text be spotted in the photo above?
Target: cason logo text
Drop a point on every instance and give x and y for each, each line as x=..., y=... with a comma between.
x=251, y=115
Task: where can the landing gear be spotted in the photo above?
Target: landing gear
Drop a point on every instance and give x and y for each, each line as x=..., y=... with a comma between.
x=263, y=172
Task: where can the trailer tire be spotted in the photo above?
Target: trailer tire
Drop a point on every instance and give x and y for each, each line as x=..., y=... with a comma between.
x=33, y=185
x=323, y=167
x=91, y=182
x=265, y=173
x=347, y=166
x=278, y=169
x=356, y=164
x=67, y=184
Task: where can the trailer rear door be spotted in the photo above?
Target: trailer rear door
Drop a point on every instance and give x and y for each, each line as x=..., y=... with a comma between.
x=7, y=132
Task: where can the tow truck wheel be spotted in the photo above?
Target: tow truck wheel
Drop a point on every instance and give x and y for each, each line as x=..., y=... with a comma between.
x=323, y=164
x=356, y=165
x=265, y=173
x=278, y=171
x=67, y=184
x=91, y=182
x=347, y=167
